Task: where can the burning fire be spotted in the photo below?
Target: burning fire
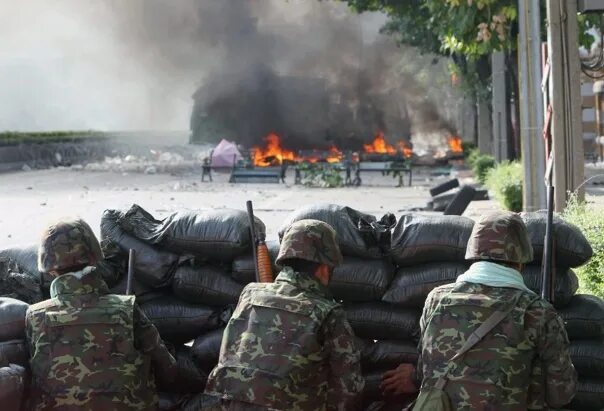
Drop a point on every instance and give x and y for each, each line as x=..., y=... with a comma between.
x=381, y=146
x=272, y=153
x=455, y=144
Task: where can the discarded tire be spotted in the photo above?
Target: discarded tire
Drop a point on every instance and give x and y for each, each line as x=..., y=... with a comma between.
x=584, y=317
x=219, y=235
x=12, y=386
x=206, y=284
x=572, y=248
x=412, y=284
x=206, y=349
x=590, y=396
x=566, y=283
x=588, y=358
x=418, y=238
x=189, y=377
x=152, y=266
x=179, y=322
x=12, y=319
x=13, y=352
x=383, y=321
x=357, y=235
x=387, y=354
x=361, y=280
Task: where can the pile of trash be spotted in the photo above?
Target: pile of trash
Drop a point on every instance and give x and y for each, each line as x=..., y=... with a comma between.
x=153, y=162
x=191, y=267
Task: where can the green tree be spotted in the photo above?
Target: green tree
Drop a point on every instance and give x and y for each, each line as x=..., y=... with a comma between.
x=467, y=31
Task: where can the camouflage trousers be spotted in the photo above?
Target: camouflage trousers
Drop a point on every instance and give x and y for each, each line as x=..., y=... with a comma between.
x=232, y=405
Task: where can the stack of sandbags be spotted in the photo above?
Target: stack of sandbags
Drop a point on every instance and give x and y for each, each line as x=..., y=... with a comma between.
x=13, y=354
x=184, y=281
x=19, y=275
x=584, y=321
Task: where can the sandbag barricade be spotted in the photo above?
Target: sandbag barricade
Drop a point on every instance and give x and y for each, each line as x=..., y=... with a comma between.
x=19, y=275
x=361, y=280
x=13, y=385
x=242, y=268
x=206, y=349
x=584, y=317
x=205, y=284
x=566, y=283
x=379, y=320
x=216, y=235
x=359, y=234
x=189, y=377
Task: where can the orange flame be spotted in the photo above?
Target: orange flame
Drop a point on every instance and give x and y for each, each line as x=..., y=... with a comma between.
x=335, y=155
x=381, y=146
x=455, y=144
x=272, y=153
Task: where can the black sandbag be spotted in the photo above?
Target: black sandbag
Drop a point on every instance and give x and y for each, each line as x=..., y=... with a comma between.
x=26, y=258
x=589, y=396
x=199, y=402
x=412, y=284
x=18, y=285
x=219, y=235
x=206, y=349
x=572, y=249
x=242, y=268
x=142, y=292
x=588, y=358
x=422, y=238
x=189, y=377
x=566, y=283
x=168, y=401
x=13, y=352
x=387, y=354
x=12, y=318
x=584, y=317
x=361, y=280
x=207, y=284
x=357, y=232
x=180, y=322
x=153, y=267
x=13, y=380
x=383, y=321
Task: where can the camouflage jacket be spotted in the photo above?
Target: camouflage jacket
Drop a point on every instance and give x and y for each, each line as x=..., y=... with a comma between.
x=523, y=363
x=288, y=346
x=92, y=350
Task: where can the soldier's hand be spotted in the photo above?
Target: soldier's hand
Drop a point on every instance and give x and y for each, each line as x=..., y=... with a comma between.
x=399, y=381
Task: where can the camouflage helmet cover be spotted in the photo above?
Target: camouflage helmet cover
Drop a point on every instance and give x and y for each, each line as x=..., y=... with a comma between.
x=500, y=236
x=310, y=240
x=68, y=243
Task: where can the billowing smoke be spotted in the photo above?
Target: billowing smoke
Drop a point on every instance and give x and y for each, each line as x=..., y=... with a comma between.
x=311, y=71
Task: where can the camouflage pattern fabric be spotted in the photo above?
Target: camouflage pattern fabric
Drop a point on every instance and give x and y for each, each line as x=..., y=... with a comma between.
x=310, y=240
x=288, y=346
x=500, y=236
x=82, y=349
x=67, y=244
x=523, y=363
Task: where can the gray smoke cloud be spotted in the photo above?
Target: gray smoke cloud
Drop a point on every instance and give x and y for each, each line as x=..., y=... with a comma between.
x=312, y=71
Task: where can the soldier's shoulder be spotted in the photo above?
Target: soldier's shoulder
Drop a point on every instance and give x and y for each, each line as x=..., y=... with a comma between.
x=440, y=291
x=42, y=306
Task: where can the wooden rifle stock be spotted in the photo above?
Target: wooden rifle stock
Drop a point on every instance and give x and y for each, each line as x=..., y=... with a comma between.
x=262, y=260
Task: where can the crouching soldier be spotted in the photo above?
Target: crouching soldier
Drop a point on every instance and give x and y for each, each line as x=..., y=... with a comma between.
x=288, y=345
x=89, y=350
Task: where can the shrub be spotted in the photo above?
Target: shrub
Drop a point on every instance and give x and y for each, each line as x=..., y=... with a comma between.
x=590, y=220
x=321, y=175
x=481, y=164
x=505, y=181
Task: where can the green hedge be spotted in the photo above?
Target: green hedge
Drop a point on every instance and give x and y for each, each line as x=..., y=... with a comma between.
x=590, y=219
x=480, y=164
x=505, y=181
x=16, y=137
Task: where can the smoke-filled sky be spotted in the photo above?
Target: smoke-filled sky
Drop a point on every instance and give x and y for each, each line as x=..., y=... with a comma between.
x=135, y=64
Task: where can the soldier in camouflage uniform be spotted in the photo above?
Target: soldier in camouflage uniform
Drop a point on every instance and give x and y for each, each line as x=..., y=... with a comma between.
x=524, y=362
x=90, y=350
x=288, y=345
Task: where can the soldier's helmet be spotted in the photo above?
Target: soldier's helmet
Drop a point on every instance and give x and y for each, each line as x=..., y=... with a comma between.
x=66, y=244
x=310, y=240
x=500, y=236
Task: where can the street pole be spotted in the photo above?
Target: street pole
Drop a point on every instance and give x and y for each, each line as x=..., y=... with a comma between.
x=565, y=98
x=531, y=104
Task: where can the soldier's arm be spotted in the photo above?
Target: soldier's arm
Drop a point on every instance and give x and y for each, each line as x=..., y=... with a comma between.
x=553, y=349
x=148, y=341
x=345, y=378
